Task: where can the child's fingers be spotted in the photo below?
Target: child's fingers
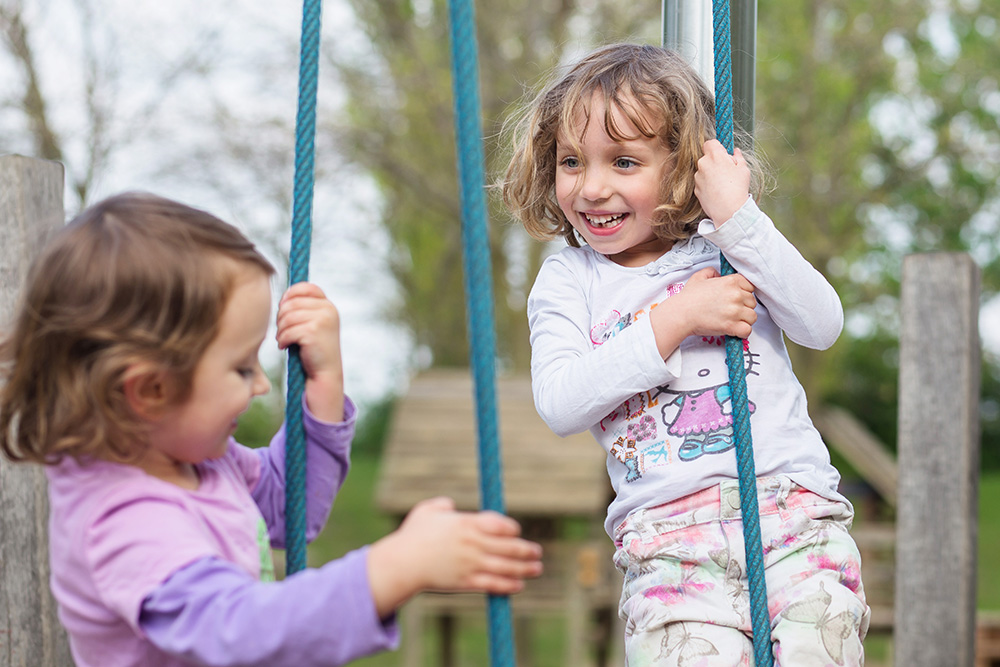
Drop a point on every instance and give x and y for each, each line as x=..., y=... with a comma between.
x=302, y=318
x=743, y=282
x=747, y=288
x=497, y=585
x=319, y=314
x=513, y=549
x=302, y=289
x=703, y=274
x=713, y=147
x=507, y=561
x=435, y=504
x=496, y=524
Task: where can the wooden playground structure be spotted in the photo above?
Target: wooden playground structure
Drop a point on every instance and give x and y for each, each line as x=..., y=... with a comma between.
x=548, y=483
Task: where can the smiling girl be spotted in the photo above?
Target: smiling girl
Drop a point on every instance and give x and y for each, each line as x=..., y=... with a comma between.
x=617, y=157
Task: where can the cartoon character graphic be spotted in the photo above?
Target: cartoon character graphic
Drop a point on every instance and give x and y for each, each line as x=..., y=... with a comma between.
x=608, y=328
x=699, y=410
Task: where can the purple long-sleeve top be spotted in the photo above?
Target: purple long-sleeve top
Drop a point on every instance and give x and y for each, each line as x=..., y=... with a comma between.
x=147, y=573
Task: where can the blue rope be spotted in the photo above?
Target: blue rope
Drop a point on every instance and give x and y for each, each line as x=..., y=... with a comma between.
x=761, y=620
x=298, y=271
x=478, y=289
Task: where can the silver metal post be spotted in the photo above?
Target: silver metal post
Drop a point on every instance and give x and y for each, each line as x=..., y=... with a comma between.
x=687, y=29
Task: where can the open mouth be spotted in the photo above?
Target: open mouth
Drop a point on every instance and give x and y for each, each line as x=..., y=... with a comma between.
x=604, y=221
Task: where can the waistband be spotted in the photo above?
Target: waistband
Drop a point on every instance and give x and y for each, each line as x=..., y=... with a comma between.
x=719, y=502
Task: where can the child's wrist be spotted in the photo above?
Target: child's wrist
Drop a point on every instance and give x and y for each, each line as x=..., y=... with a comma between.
x=391, y=583
x=325, y=396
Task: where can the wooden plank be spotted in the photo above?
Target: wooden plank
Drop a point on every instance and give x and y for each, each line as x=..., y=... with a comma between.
x=31, y=206
x=872, y=459
x=938, y=462
x=432, y=450
x=987, y=639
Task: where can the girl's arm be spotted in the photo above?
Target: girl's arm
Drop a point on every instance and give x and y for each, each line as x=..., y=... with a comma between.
x=213, y=613
x=574, y=383
x=577, y=384
x=308, y=319
x=328, y=449
x=798, y=298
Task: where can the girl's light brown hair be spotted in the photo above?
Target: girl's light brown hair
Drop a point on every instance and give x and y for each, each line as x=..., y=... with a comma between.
x=656, y=90
x=133, y=280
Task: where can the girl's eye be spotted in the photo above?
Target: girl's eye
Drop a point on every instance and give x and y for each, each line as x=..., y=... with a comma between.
x=624, y=163
x=570, y=162
x=246, y=373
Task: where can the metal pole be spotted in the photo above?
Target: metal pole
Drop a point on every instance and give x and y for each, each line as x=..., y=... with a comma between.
x=744, y=41
x=687, y=29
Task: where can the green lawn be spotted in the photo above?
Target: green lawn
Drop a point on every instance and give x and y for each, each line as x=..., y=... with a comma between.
x=355, y=522
x=989, y=542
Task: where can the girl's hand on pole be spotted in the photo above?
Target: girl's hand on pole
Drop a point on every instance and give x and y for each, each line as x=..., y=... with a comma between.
x=307, y=318
x=722, y=182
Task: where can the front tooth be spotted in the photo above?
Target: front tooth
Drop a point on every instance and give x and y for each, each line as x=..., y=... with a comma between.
x=603, y=220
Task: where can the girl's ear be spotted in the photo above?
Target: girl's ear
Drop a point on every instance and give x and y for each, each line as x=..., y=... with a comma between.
x=147, y=390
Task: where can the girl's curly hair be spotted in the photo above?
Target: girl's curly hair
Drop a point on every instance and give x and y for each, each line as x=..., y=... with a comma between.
x=655, y=89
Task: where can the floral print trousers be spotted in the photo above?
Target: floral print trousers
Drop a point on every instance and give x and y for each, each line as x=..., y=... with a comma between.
x=685, y=600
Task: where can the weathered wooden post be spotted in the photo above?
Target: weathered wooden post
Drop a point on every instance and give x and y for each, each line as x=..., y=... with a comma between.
x=935, y=607
x=31, y=206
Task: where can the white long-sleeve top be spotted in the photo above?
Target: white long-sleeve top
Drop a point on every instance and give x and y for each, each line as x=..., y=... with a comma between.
x=666, y=425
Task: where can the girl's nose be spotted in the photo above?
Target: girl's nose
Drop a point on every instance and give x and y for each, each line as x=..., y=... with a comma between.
x=593, y=186
x=261, y=385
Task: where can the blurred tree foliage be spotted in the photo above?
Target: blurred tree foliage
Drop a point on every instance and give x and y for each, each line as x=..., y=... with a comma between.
x=882, y=120
x=398, y=125
x=879, y=117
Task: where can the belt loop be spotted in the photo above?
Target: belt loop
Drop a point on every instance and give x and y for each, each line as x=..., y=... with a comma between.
x=729, y=499
x=784, y=490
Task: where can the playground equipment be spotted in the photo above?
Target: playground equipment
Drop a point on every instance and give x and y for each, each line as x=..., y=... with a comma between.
x=938, y=449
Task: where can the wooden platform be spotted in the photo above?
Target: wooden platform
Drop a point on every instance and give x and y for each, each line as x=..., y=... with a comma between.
x=431, y=450
x=548, y=481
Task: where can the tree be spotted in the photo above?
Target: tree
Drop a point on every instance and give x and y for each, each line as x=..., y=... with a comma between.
x=93, y=85
x=26, y=106
x=883, y=118
x=398, y=126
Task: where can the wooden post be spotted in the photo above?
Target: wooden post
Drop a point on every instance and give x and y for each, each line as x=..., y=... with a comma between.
x=935, y=608
x=31, y=206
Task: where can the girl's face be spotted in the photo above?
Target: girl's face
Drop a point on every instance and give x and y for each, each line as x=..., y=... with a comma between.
x=226, y=378
x=609, y=190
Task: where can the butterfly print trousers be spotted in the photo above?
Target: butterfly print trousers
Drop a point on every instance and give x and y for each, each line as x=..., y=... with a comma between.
x=685, y=599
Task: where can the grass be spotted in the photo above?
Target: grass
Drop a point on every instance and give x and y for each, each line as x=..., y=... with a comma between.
x=988, y=589
x=356, y=522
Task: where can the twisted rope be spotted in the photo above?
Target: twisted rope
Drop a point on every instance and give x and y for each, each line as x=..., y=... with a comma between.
x=478, y=289
x=298, y=271
x=760, y=618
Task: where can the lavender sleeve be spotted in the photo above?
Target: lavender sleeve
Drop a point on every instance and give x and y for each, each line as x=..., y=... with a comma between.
x=328, y=448
x=213, y=613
